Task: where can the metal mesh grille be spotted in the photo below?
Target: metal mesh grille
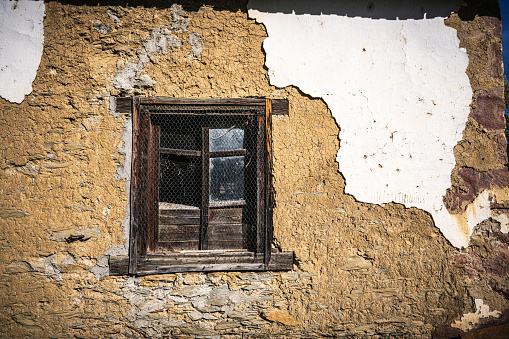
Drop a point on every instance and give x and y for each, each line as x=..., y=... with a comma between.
x=197, y=176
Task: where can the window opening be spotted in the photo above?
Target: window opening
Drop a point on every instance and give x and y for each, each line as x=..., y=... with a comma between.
x=207, y=179
x=200, y=187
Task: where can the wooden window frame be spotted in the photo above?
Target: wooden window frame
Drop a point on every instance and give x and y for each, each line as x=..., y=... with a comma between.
x=140, y=262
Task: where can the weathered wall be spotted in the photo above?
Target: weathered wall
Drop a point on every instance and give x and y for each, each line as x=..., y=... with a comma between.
x=380, y=80
x=361, y=269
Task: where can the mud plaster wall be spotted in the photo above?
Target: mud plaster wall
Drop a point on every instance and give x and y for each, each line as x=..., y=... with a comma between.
x=361, y=269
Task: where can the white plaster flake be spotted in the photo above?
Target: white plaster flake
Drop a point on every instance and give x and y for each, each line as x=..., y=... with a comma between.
x=504, y=222
x=101, y=268
x=21, y=44
x=123, y=173
x=398, y=90
x=129, y=77
x=469, y=320
x=196, y=43
x=113, y=17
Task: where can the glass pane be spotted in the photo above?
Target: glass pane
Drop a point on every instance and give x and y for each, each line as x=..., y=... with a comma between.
x=226, y=179
x=226, y=139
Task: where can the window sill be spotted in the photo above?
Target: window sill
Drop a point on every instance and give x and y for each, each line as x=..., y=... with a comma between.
x=202, y=261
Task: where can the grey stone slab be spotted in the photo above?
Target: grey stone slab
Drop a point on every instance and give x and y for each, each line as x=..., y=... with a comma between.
x=193, y=291
x=227, y=325
x=195, y=330
x=244, y=315
x=256, y=277
x=195, y=315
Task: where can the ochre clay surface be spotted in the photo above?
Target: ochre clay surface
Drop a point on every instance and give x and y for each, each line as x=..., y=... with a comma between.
x=360, y=269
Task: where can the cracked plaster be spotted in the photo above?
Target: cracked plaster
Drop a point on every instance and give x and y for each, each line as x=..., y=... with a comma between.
x=397, y=131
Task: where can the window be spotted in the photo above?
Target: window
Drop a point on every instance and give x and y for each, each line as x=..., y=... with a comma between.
x=201, y=193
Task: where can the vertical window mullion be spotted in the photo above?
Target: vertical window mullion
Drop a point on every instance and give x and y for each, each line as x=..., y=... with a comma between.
x=260, y=185
x=268, y=184
x=135, y=189
x=153, y=185
x=205, y=188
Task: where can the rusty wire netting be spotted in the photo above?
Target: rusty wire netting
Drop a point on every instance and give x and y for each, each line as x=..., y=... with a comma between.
x=197, y=176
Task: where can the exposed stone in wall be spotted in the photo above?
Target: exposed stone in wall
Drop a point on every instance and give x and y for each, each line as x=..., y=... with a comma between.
x=160, y=40
x=361, y=270
x=481, y=171
x=481, y=156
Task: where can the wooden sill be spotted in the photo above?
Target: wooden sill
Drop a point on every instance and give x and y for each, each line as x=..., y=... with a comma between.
x=202, y=261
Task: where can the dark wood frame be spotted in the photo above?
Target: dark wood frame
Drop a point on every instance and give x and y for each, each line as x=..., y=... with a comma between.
x=139, y=262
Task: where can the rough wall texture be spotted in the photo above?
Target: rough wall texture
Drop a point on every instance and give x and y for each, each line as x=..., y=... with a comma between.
x=361, y=270
x=481, y=156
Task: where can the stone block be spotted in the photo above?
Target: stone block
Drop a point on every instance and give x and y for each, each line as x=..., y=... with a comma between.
x=357, y=263
x=4, y=214
x=227, y=325
x=198, y=331
x=18, y=267
x=244, y=315
x=195, y=315
x=279, y=316
x=291, y=276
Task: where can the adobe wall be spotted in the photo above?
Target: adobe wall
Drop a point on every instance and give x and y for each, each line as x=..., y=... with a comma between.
x=361, y=269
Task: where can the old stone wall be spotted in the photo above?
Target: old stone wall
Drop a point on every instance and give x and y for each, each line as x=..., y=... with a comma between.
x=360, y=270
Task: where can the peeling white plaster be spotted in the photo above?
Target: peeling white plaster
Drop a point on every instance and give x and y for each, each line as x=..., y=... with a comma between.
x=21, y=43
x=478, y=211
x=469, y=320
x=504, y=222
x=399, y=92
x=101, y=268
x=196, y=44
x=113, y=17
x=160, y=39
x=125, y=80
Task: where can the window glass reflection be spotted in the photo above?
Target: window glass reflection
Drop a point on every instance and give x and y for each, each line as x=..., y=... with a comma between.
x=226, y=139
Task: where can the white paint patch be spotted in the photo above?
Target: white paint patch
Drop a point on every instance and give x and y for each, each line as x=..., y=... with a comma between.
x=399, y=92
x=21, y=43
x=504, y=222
x=469, y=320
x=478, y=211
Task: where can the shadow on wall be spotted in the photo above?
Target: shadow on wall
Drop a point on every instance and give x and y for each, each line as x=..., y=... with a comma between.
x=384, y=9
x=375, y=9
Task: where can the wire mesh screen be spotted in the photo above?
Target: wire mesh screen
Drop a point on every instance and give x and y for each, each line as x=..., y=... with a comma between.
x=198, y=175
